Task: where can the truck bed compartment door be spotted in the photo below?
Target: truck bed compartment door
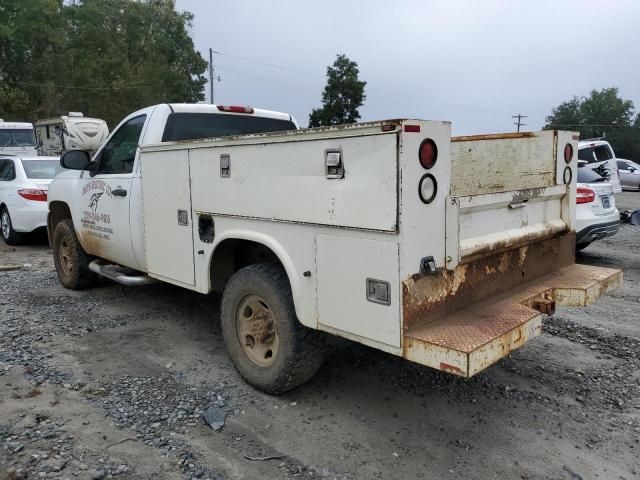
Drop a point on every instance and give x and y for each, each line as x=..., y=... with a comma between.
x=358, y=293
x=166, y=197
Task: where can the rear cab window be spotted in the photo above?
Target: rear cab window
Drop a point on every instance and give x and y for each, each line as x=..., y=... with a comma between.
x=193, y=126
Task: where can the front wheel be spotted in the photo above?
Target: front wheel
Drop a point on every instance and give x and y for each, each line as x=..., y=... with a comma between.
x=71, y=261
x=267, y=344
x=9, y=235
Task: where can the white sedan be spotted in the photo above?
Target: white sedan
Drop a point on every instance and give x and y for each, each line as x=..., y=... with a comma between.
x=24, y=182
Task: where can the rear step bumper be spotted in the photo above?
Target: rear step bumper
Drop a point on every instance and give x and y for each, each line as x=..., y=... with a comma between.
x=468, y=341
x=122, y=275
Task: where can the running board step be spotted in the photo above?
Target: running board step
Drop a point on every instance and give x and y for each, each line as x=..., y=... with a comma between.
x=123, y=275
x=470, y=340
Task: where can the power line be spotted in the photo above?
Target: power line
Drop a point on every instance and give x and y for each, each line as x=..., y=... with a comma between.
x=592, y=125
x=519, y=122
x=243, y=74
x=391, y=92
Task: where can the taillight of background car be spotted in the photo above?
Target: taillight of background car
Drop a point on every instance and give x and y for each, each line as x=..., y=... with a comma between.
x=33, y=194
x=585, y=195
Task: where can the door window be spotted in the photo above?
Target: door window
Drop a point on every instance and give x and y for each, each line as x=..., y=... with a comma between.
x=119, y=153
x=7, y=171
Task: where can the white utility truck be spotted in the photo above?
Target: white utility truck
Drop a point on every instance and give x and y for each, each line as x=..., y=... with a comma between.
x=70, y=132
x=17, y=138
x=445, y=251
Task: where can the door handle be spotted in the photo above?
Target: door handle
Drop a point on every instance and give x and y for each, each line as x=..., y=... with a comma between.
x=119, y=192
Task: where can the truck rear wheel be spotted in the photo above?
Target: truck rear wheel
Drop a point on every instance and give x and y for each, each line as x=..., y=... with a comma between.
x=71, y=261
x=268, y=346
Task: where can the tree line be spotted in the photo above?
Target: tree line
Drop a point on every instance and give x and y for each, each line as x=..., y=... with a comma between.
x=601, y=114
x=105, y=58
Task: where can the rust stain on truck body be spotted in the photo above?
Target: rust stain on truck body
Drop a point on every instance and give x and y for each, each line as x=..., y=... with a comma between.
x=431, y=297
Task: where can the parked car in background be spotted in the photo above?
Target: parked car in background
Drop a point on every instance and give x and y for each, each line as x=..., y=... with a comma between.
x=70, y=132
x=17, y=138
x=600, y=158
x=24, y=182
x=629, y=174
x=596, y=213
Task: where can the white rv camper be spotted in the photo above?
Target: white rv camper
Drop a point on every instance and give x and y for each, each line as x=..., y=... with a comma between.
x=70, y=132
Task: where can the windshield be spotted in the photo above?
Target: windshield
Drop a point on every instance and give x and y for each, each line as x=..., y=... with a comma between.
x=41, y=169
x=192, y=126
x=17, y=137
x=586, y=175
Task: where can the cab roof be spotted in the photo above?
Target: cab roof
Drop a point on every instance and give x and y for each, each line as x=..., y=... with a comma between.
x=16, y=125
x=208, y=108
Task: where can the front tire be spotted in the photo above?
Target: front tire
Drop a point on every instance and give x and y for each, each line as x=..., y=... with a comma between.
x=9, y=235
x=71, y=261
x=267, y=344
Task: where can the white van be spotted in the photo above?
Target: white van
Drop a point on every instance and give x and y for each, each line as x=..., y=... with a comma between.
x=70, y=132
x=601, y=159
x=17, y=138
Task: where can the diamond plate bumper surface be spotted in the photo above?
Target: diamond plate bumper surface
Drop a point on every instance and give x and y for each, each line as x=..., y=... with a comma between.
x=468, y=341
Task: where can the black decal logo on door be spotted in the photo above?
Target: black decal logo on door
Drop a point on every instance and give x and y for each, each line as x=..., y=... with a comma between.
x=93, y=204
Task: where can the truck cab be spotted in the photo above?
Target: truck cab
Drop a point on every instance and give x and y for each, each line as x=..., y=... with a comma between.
x=17, y=138
x=105, y=201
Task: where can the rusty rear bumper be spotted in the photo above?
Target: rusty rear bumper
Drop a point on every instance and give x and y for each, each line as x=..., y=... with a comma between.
x=469, y=340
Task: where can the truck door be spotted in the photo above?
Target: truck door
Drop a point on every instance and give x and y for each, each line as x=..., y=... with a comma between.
x=105, y=208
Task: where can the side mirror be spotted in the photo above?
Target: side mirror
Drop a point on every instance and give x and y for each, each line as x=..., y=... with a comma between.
x=75, y=160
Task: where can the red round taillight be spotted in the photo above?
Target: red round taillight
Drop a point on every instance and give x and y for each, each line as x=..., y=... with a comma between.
x=568, y=153
x=428, y=153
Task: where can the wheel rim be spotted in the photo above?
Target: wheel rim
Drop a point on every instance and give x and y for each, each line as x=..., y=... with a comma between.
x=64, y=255
x=257, y=331
x=6, y=224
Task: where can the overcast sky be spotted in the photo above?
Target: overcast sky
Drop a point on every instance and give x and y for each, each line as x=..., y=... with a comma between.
x=474, y=63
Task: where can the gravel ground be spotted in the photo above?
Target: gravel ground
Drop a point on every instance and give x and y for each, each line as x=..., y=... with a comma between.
x=130, y=383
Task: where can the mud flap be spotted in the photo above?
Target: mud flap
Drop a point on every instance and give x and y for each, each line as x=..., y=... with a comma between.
x=468, y=341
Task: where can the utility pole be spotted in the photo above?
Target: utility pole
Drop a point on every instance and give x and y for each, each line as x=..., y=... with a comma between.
x=211, y=75
x=519, y=122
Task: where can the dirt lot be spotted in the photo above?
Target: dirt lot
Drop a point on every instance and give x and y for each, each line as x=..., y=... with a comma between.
x=113, y=383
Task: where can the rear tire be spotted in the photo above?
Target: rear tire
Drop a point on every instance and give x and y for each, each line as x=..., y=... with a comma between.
x=269, y=347
x=9, y=235
x=71, y=261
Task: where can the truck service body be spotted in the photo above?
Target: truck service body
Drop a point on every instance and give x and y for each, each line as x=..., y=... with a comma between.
x=445, y=251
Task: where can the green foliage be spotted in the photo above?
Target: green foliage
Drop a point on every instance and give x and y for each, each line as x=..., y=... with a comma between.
x=105, y=58
x=342, y=95
x=602, y=114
